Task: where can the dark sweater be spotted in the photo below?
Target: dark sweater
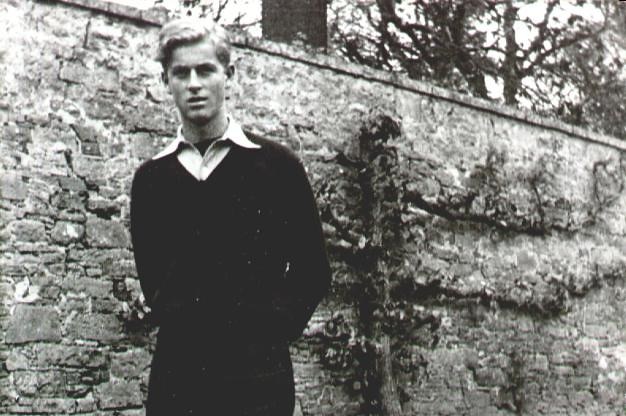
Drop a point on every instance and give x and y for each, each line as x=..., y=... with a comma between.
x=233, y=267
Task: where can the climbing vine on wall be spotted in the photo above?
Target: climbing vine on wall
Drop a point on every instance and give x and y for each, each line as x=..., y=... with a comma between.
x=379, y=224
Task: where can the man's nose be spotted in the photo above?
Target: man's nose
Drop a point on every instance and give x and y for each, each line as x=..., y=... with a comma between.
x=194, y=83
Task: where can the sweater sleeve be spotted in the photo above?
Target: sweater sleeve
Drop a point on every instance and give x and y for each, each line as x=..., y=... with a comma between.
x=147, y=247
x=308, y=275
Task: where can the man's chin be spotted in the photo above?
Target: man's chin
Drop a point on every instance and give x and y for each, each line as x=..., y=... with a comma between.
x=199, y=119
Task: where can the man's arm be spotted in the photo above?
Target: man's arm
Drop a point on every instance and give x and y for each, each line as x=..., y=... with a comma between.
x=144, y=231
x=308, y=275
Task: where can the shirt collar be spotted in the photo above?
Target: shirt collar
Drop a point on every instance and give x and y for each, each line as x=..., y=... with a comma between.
x=233, y=132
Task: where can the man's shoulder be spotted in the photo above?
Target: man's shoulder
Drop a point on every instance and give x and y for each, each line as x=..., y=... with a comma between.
x=149, y=168
x=272, y=149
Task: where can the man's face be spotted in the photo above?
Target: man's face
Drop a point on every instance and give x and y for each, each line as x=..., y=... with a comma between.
x=196, y=80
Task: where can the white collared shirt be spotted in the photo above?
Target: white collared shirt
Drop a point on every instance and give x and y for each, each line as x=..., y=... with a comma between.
x=199, y=166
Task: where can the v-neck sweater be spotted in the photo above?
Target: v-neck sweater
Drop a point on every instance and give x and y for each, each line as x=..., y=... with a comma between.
x=241, y=253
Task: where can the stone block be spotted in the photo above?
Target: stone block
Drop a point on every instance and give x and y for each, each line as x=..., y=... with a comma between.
x=68, y=200
x=79, y=382
x=33, y=323
x=102, y=207
x=97, y=327
x=17, y=360
x=12, y=186
x=538, y=362
x=106, y=234
x=130, y=364
x=94, y=288
x=478, y=399
x=40, y=383
x=490, y=377
x=28, y=230
x=108, y=79
x=598, y=331
x=55, y=406
x=86, y=404
x=118, y=394
x=74, y=72
x=562, y=371
x=47, y=356
x=65, y=232
x=70, y=183
x=145, y=145
x=90, y=168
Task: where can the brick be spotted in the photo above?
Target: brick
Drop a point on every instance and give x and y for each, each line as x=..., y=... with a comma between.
x=33, y=323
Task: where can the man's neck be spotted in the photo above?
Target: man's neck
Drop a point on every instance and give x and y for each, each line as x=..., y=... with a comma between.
x=215, y=128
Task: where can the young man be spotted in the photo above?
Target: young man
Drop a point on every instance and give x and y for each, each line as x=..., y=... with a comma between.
x=228, y=246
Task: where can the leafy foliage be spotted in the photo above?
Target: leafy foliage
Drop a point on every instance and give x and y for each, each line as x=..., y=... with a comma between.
x=553, y=57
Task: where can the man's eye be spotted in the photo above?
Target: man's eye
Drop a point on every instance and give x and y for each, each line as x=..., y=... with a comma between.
x=205, y=70
x=180, y=73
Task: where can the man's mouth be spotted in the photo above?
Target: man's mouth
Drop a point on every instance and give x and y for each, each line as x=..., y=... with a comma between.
x=195, y=100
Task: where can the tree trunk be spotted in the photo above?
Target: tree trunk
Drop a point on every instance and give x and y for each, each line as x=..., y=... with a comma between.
x=377, y=188
x=388, y=391
x=509, y=66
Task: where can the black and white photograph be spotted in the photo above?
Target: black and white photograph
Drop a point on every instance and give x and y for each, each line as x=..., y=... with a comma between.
x=312, y=207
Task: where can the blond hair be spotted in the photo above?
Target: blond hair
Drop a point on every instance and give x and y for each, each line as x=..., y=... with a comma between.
x=187, y=30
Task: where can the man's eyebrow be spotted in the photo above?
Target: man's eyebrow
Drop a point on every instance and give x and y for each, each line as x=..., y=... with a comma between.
x=188, y=67
x=180, y=67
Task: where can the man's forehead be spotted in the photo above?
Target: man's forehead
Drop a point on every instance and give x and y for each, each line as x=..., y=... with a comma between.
x=194, y=54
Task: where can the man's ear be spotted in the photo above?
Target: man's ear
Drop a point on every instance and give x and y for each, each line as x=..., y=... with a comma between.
x=230, y=71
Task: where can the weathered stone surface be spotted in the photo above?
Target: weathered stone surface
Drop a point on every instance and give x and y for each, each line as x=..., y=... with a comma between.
x=65, y=232
x=56, y=406
x=86, y=404
x=70, y=183
x=95, y=288
x=102, y=207
x=106, y=233
x=97, y=327
x=33, y=323
x=118, y=394
x=47, y=356
x=12, y=186
x=28, y=230
x=74, y=72
x=130, y=364
x=40, y=383
x=145, y=145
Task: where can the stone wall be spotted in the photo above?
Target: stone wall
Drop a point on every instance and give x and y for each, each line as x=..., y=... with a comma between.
x=518, y=223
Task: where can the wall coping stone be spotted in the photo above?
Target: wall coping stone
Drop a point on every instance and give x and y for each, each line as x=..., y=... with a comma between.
x=309, y=56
